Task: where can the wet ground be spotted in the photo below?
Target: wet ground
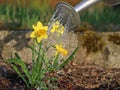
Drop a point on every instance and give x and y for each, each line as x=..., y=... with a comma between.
x=72, y=77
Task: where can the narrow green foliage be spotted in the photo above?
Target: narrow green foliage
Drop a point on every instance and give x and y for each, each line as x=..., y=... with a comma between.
x=36, y=75
x=22, y=65
x=55, y=63
x=20, y=74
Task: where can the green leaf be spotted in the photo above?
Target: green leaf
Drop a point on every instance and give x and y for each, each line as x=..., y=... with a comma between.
x=69, y=58
x=53, y=46
x=40, y=45
x=33, y=49
x=47, y=48
x=19, y=73
x=41, y=63
x=17, y=56
x=22, y=65
x=35, y=69
x=55, y=63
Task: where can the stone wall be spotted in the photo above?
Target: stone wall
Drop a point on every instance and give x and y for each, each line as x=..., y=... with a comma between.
x=98, y=48
x=102, y=49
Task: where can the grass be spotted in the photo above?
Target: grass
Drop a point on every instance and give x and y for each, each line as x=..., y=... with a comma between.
x=22, y=17
x=99, y=19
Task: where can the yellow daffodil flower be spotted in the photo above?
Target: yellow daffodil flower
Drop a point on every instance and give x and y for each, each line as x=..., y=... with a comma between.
x=40, y=32
x=61, y=50
x=57, y=28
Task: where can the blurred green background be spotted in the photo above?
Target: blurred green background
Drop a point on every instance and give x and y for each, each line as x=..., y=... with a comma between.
x=22, y=14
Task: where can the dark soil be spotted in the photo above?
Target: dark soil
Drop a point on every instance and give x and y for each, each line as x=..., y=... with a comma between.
x=89, y=77
x=72, y=77
x=9, y=80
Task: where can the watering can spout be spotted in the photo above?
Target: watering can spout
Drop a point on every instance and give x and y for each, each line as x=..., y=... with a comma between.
x=85, y=4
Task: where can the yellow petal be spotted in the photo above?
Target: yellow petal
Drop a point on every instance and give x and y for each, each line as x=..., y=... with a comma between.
x=65, y=52
x=62, y=31
x=45, y=36
x=58, y=31
x=52, y=30
x=56, y=26
x=45, y=27
x=39, y=24
x=34, y=27
x=32, y=35
x=39, y=39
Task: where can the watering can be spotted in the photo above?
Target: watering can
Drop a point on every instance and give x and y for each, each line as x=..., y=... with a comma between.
x=68, y=16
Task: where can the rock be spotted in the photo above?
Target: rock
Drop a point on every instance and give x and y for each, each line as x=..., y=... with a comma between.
x=94, y=47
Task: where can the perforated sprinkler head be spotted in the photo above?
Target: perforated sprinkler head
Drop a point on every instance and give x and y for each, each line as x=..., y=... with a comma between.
x=67, y=16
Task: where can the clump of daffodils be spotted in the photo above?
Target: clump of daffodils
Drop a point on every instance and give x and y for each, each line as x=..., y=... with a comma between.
x=36, y=75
